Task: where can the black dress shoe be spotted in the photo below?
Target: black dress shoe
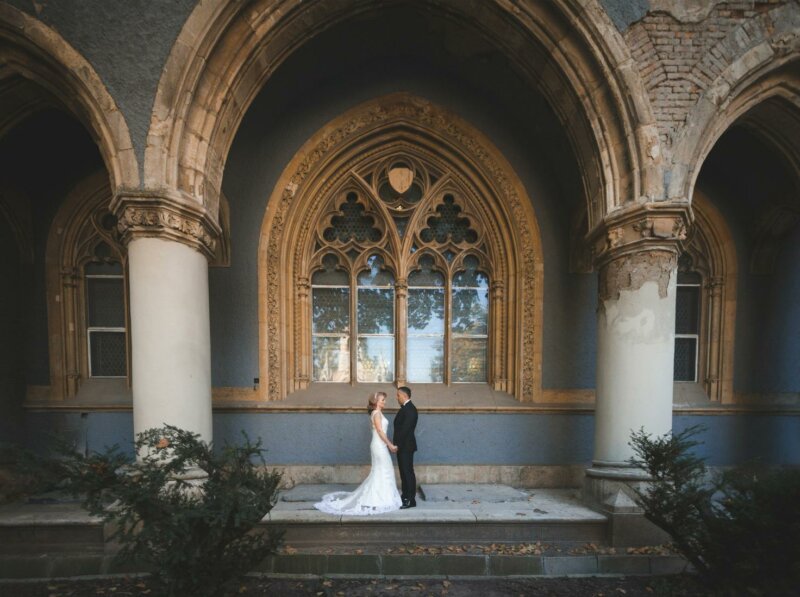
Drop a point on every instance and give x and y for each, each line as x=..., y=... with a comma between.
x=407, y=506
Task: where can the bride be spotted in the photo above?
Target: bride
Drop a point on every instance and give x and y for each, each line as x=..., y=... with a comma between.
x=378, y=493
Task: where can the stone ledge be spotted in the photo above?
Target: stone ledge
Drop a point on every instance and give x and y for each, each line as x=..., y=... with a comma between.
x=371, y=565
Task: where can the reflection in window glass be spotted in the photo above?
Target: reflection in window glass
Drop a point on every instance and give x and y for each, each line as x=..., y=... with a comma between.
x=330, y=308
x=469, y=325
x=425, y=340
x=375, y=317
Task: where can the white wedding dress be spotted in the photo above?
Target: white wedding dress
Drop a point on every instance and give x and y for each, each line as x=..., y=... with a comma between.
x=377, y=494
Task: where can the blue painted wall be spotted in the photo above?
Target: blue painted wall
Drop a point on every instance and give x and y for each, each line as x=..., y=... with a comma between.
x=481, y=439
x=744, y=178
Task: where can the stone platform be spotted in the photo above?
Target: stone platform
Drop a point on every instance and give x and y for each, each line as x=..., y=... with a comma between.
x=454, y=530
x=444, y=514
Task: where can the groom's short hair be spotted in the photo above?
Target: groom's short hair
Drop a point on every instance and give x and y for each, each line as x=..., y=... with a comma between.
x=406, y=390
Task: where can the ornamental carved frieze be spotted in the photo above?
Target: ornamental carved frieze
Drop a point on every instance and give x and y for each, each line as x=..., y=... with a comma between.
x=659, y=226
x=142, y=214
x=640, y=244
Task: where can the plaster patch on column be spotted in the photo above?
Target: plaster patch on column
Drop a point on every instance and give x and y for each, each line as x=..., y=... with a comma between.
x=630, y=272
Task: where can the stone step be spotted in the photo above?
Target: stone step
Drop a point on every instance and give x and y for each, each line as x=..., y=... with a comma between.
x=59, y=565
x=448, y=514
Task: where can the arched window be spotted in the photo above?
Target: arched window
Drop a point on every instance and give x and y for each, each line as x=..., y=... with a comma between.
x=400, y=247
x=87, y=294
x=705, y=315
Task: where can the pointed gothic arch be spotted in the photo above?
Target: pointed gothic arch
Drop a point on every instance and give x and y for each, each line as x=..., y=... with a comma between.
x=30, y=49
x=348, y=163
x=712, y=254
x=569, y=50
x=83, y=232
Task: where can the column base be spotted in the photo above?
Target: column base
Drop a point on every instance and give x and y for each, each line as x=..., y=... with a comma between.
x=609, y=489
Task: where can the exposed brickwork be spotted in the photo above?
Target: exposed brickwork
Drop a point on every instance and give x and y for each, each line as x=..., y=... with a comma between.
x=678, y=61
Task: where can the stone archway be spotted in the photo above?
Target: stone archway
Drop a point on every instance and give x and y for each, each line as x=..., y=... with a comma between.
x=570, y=51
x=30, y=49
x=410, y=125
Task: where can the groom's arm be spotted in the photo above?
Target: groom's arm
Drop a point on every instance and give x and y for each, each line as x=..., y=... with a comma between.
x=401, y=428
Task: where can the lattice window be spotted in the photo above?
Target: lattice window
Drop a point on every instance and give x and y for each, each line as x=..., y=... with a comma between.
x=105, y=315
x=402, y=225
x=687, y=321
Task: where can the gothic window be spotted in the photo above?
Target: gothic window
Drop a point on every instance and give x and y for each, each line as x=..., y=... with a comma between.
x=399, y=246
x=87, y=293
x=687, y=321
x=393, y=221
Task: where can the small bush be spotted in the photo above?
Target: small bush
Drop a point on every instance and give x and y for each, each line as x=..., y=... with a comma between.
x=740, y=529
x=195, y=535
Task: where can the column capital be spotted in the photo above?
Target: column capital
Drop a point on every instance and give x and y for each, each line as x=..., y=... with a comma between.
x=647, y=227
x=170, y=215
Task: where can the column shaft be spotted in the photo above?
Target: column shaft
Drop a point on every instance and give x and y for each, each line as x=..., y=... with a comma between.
x=636, y=326
x=170, y=336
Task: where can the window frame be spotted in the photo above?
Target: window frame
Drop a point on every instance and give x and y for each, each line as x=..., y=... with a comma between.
x=696, y=336
x=89, y=329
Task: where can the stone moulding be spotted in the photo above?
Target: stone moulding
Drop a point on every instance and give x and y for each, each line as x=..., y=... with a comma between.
x=161, y=215
x=644, y=227
x=288, y=217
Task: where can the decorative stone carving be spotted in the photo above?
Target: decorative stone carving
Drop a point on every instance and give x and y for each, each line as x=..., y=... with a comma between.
x=631, y=271
x=646, y=227
x=413, y=115
x=144, y=214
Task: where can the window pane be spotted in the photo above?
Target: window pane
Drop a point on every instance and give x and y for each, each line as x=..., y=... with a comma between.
x=687, y=310
x=106, y=302
x=375, y=359
x=685, y=359
x=376, y=275
x=331, y=359
x=471, y=277
x=468, y=359
x=470, y=311
x=331, y=310
x=330, y=278
x=425, y=311
x=425, y=359
x=107, y=352
x=375, y=311
x=104, y=268
x=425, y=278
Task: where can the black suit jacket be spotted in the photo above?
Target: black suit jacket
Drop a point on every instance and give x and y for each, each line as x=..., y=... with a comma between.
x=405, y=422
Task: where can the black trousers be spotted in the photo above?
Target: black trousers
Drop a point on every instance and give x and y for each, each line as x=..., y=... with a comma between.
x=408, y=480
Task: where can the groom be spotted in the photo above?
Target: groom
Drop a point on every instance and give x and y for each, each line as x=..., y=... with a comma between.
x=405, y=421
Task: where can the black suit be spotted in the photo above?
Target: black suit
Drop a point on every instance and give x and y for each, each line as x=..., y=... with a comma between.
x=405, y=422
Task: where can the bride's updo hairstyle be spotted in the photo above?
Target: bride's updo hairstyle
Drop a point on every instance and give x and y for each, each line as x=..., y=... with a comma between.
x=372, y=401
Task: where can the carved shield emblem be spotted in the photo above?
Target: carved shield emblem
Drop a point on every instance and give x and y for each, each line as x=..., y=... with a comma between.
x=401, y=178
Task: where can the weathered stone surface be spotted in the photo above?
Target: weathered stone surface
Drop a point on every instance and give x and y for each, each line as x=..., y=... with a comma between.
x=468, y=493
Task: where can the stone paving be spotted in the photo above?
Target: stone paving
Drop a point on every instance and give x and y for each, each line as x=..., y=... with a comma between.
x=448, y=503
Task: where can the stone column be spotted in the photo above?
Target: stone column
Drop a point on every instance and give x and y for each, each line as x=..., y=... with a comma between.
x=637, y=256
x=170, y=240
x=635, y=348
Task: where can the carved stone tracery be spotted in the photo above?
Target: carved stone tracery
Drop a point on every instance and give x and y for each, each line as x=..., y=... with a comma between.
x=401, y=183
